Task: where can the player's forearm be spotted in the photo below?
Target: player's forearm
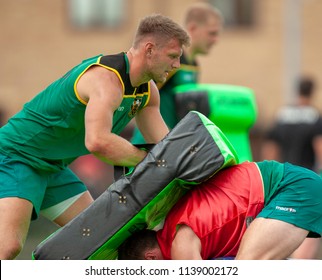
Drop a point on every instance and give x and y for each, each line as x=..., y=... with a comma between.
x=116, y=150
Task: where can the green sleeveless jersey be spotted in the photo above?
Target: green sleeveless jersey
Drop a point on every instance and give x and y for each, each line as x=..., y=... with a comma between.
x=49, y=132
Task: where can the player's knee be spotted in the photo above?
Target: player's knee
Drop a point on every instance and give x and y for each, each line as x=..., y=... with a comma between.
x=10, y=249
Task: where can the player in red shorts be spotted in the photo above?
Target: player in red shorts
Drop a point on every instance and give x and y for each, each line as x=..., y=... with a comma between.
x=211, y=221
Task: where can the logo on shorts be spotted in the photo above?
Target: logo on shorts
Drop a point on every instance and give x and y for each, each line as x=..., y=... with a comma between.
x=286, y=209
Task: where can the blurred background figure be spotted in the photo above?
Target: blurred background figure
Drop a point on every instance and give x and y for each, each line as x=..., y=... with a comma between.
x=203, y=22
x=296, y=137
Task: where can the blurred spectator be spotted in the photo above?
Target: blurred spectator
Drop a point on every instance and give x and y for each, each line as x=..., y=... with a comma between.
x=296, y=137
x=296, y=134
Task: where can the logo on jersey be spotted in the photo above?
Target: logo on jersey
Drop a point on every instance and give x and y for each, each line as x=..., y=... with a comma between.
x=135, y=107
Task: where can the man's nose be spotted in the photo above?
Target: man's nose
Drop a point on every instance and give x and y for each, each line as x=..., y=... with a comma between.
x=176, y=64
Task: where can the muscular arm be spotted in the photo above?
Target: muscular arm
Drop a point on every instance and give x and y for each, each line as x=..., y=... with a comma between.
x=149, y=119
x=103, y=91
x=186, y=245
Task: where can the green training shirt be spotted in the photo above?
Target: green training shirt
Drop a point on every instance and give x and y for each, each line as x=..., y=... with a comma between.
x=49, y=132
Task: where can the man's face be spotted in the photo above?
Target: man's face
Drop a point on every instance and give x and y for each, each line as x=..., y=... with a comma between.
x=204, y=36
x=163, y=59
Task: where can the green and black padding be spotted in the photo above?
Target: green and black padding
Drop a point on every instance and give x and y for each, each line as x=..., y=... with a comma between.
x=191, y=153
x=232, y=108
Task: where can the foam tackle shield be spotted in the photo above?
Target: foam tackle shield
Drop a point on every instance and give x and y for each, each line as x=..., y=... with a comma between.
x=191, y=153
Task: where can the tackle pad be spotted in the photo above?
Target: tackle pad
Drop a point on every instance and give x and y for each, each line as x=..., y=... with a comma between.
x=192, y=152
x=232, y=108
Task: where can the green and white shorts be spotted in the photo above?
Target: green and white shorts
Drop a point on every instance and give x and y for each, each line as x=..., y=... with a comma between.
x=50, y=193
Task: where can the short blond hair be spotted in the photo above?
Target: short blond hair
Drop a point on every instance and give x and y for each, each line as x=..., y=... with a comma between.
x=200, y=12
x=161, y=27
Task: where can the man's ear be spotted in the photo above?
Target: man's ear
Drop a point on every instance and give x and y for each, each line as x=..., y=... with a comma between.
x=148, y=48
x=151, y=254
x=191, y=27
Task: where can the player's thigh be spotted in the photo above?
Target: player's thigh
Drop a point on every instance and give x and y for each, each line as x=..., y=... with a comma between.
x=76, y=207
x=21, y=181
x=270, y=239
x=309, y=249
x=15, y=215
x=65, y=197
